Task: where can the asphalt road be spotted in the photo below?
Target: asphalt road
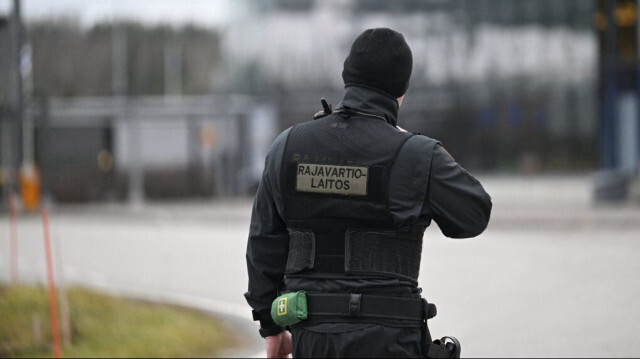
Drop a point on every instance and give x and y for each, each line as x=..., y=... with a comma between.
x=554, y=275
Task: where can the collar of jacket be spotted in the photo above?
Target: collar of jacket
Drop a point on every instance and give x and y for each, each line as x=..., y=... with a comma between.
x=367, y=100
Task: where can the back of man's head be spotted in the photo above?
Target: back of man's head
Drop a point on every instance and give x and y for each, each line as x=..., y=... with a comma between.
x=379, y=58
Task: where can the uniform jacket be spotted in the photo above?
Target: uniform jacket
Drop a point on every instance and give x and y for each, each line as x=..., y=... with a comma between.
x=425, y=183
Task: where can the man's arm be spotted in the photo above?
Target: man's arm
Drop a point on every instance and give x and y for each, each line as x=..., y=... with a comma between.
x=458, y=202
x=268, y=244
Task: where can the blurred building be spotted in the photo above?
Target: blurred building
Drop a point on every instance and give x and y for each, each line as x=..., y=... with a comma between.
x=506, y=85
x=619, y=95
x=513, y=86
x=6, y=98
x=5, y=60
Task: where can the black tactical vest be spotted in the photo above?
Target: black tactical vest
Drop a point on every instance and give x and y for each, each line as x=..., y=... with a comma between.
x=336, y=177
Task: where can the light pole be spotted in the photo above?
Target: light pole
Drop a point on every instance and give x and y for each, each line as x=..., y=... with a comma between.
x=17, y=103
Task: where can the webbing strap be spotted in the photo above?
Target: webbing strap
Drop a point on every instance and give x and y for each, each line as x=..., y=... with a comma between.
x=302, y=249
x=393, y=253
x=364, y=306
x=366, y=252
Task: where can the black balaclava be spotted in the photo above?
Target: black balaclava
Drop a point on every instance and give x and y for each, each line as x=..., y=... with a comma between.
x=379, y=58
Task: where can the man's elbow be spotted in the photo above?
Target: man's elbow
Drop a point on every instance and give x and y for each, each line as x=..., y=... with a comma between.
x=477, y=229
x=473, y=225
x=482, y=217
x=468, y=231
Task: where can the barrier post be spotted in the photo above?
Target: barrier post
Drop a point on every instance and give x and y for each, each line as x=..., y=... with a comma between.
x=53, y=309
x=13, y=224
x=65, y=321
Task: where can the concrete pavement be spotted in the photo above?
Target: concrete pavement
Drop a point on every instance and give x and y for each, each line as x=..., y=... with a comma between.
x=554, y=275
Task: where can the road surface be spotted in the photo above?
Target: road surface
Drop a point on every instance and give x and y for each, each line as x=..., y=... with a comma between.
x=554, y=275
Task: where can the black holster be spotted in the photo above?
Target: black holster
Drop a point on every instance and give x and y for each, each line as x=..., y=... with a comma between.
x=445, y=348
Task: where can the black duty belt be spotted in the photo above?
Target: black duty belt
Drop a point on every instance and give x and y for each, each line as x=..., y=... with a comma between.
x=366, y=306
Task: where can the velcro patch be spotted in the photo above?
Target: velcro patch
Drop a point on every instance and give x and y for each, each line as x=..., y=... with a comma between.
x=282, y=306
x=346, y=180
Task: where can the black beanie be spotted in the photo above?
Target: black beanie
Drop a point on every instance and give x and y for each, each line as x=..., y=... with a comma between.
x=379, y=58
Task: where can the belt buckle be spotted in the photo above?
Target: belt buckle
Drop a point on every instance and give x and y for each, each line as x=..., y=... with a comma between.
x=354, y=305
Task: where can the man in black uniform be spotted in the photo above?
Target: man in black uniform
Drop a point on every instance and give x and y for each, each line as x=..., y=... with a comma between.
x=340, y=214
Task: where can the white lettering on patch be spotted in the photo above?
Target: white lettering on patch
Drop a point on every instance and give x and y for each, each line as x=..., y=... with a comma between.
x=346, y=180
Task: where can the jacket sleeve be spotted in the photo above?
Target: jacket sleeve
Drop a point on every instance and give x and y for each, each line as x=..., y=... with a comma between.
x=457, y=201
x=268, y=244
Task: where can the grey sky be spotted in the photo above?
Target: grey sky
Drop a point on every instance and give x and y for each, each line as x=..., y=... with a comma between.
x=203, y=12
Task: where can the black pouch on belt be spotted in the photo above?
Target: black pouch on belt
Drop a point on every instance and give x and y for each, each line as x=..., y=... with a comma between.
x=445, y=348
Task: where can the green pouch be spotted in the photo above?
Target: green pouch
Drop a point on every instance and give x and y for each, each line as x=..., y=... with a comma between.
x=289, y=308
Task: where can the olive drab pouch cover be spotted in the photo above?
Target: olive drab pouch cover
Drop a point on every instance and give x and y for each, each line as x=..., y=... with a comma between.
x=289, y=308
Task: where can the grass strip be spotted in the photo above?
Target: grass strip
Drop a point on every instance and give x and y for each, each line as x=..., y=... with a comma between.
x=106, y=326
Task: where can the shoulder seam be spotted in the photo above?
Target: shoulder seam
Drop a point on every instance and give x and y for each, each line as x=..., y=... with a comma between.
x=283, y=166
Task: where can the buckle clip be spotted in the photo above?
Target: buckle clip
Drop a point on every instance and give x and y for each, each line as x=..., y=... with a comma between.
x=354, y=305
x=429, y=310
